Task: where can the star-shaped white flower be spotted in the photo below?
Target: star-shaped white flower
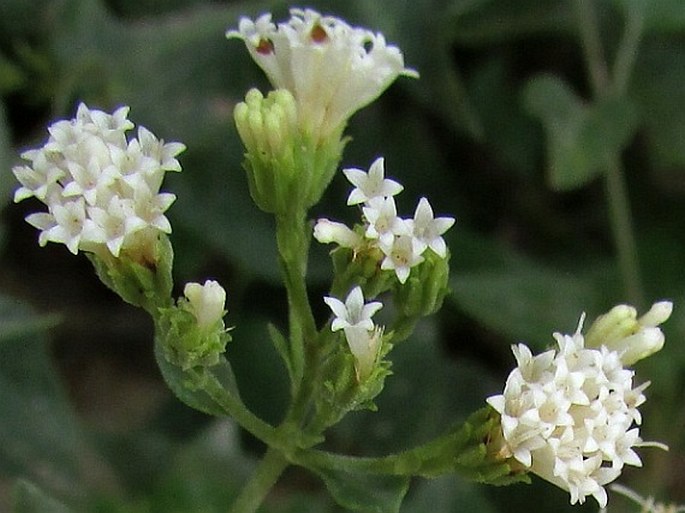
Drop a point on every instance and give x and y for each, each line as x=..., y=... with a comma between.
x=382, y=221
x=353, y=313
x=428, y=229
x=401, y=256
x=372, y=184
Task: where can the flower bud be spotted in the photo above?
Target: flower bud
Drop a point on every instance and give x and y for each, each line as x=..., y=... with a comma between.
x=633, y=338
x=192, y=332
x=288, y=170
x=206, y=302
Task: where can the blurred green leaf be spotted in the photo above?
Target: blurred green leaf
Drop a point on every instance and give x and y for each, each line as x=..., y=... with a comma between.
x=18, y=321
x=447, y=495
x=7, y=181
x=40, y=438
x=502, y=20
x=366, y=493
x=663, y=16
x=657, y=90
x=582, y=139
x=28, y=498
x=527, y=303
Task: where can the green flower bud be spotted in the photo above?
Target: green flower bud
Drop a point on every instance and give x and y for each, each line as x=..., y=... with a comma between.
x=633, y=338
x=288, y=168
x=193, y=332
x=423, y=292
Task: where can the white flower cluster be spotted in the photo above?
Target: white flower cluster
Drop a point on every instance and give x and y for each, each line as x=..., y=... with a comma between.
x=362, y=335
x=402, y=241
x=100, y=189
x=571, y=415
x=331, y=68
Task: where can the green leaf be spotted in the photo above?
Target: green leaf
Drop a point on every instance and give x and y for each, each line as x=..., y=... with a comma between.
x=28, y=498
x=502, y=20
x=40, y=438
x=582, y=139
x=183, y=386
x=447, y=495
x=528, y=303
x=366, y=493
x=7, y=180
x=657, y=87
x=664, y=16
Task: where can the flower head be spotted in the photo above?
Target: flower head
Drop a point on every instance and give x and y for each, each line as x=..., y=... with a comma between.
x=331, y=68
x=570, y=415
x=101, y=191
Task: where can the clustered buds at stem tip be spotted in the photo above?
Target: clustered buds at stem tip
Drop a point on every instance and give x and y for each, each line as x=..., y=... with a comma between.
x=633, y=338
x=101, y=190
x=571, y=415
x=331, y=68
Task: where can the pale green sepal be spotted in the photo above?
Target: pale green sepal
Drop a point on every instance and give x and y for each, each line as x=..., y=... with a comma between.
x=145, y=282
x=188, y=345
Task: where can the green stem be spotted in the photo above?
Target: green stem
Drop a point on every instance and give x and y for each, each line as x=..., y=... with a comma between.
x=617, y=191
x=252, y=495
x=628, y=48
x=292, y=237
x=622, y=228
x=463, y=450
x=235, y=408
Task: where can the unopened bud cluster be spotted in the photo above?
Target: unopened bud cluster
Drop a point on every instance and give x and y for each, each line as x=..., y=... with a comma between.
x=101, y=190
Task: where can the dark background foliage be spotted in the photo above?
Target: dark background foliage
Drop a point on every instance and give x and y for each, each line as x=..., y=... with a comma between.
x=502, y=131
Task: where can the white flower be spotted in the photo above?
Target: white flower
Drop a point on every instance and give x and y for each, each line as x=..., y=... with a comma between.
x=428, y=229
x=365, y=346
x=206, y=302
x=570, y=415
x=363, y=337
x=400, y=256
x=370, y=185
x=327, y=232
x=383, y=222
x=331, y=68
x=353, y=313
x=100, y=189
